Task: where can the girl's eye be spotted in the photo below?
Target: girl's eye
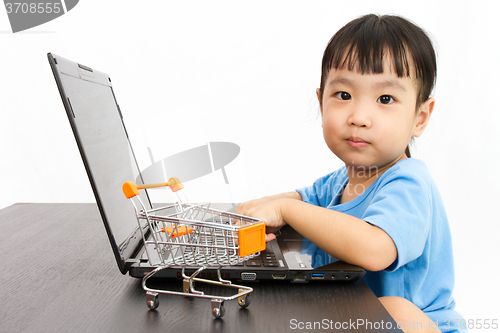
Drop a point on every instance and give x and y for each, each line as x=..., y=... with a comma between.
x=345, y=96
x=385, y=99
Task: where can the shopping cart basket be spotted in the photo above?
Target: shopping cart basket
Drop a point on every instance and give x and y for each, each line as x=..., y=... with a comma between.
x=195, y=236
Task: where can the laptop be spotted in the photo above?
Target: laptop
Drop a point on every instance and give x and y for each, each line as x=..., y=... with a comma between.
x=104, y=145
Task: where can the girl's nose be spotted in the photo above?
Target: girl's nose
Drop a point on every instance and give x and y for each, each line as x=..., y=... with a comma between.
x=359, y=116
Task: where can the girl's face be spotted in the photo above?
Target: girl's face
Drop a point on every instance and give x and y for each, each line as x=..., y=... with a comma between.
x=369, y=119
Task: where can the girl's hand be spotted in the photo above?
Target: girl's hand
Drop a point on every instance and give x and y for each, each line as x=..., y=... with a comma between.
x=246, y=206
x=269, y=212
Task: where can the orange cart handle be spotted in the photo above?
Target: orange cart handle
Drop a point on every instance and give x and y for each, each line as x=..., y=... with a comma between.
x=252, y=239
x=131, y=190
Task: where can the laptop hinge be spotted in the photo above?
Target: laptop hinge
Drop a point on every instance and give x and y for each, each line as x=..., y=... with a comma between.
x=130, y=262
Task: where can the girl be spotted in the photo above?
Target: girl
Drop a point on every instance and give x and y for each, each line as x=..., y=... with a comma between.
x=382, y=211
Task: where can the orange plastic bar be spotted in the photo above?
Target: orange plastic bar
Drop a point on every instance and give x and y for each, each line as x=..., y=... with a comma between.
x=252, y=238
x=181, y=231
x=131, y=190
x=142, y=187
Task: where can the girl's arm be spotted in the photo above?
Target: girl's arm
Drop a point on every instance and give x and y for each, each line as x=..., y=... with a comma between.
x=343, y=236
x=246, y=206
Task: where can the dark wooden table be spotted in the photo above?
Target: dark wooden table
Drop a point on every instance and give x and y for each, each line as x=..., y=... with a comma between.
x=59, y=275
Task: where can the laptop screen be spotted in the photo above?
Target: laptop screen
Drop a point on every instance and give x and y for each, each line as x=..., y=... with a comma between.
x=106, y=151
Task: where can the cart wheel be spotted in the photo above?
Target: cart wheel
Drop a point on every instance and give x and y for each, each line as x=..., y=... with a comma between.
x=152, y=300
x=218, y=309
x=244, y=301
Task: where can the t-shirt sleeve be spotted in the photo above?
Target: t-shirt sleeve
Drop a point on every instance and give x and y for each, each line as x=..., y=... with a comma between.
x=402, y=208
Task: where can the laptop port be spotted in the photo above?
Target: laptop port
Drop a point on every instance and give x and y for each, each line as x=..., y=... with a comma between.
x=281, y=276
x=317, y=276
x=347, y=276
x=299, y=278
x=248, y=276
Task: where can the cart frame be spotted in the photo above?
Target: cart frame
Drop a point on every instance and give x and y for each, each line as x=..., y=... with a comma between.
x=195, y=236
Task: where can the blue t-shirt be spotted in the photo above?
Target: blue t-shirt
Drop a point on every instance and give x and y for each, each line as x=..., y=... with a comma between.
x=404, y=201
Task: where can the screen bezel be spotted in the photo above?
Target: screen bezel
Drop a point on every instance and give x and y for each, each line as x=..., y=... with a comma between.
x=125, y=255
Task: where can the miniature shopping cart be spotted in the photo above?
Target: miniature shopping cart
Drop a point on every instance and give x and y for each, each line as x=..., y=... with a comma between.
x=195, y=236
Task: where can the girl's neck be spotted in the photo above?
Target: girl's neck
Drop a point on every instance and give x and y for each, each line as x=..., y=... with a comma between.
x=360, y=178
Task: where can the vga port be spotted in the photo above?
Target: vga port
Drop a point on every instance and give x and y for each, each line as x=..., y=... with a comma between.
x=248, y=276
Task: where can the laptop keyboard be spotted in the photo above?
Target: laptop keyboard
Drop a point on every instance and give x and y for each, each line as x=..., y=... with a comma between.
x=266, y=259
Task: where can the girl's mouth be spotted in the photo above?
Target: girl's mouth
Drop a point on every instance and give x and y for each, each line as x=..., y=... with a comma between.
x=357, y=142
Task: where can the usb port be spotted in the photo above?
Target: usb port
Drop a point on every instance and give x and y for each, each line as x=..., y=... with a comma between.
x=317, y=276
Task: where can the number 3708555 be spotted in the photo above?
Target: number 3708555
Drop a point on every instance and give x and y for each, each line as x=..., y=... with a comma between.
x=32, y=8
x=475, y=324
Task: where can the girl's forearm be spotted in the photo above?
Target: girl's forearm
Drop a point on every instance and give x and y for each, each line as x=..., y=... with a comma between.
x=343, y=236
x=246, y=207
x=287, y=195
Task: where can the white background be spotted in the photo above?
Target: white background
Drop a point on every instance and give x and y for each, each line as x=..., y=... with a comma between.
x=189, y=72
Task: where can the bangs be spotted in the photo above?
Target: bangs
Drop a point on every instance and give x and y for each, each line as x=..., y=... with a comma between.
x=367, y=42
x=367, y=56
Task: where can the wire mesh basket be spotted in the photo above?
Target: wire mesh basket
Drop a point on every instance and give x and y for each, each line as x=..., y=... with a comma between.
x=195, y=236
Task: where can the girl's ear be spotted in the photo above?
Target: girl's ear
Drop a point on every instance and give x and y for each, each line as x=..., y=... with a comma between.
x=318, y=94
x=423, y=116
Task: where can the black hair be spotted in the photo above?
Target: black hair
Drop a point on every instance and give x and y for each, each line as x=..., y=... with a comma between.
x=362, y=43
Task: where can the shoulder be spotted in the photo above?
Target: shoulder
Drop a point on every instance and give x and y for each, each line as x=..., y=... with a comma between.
x=410, y=171
x=410, y=166
x=407, y=184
